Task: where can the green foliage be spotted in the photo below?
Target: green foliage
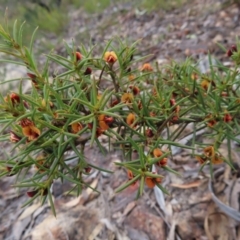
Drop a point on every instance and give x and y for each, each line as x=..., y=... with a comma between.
x=134, y=105
x=160, y=4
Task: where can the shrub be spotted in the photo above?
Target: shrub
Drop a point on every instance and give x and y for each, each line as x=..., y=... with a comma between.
x=131, y=102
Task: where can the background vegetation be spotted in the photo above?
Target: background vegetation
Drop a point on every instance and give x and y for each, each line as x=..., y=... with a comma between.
x=52, y=15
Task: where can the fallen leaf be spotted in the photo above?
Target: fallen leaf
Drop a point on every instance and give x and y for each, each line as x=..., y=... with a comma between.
x=186, y=185
x=129, y=208
x=216, y=226
x=29, y=211
x=96, y=231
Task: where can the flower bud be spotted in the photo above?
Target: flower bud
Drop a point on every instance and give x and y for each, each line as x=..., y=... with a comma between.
x=149, y=133
x=108, y=120
x=32, y=193
x=227, y=118
x=88, y=71
x=231, y=50
x=32, y=76
x=114, y=103
x=88, y=169
x=172, y=102
x=78, y=56
x=135, y=90
x=14, y=98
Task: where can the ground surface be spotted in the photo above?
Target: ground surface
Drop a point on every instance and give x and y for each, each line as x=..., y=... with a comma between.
x=189, y=212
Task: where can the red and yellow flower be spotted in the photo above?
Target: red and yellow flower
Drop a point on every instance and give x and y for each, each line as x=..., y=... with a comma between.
x=131, y=120
x=15, y=99
x=76, y=127
x=127, y=98
x=29, y=129
x=157, y=153
x=205, y=84
x=110, y=57
x=104, y=121
x=209, y=152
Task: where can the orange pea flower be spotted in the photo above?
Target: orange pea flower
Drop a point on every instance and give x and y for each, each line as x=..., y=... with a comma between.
x=151, y=181
x=103, y=125
x=130, y=177
x=157, y=153
x=110, y=57
x=131, y=119
x=205, y=84
x=104, y=121
x=217, y=159
x=146, y=68
x=76, y=127
x=127, y=98
x=29, y=129
x=14, y=98
x=209, y=152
